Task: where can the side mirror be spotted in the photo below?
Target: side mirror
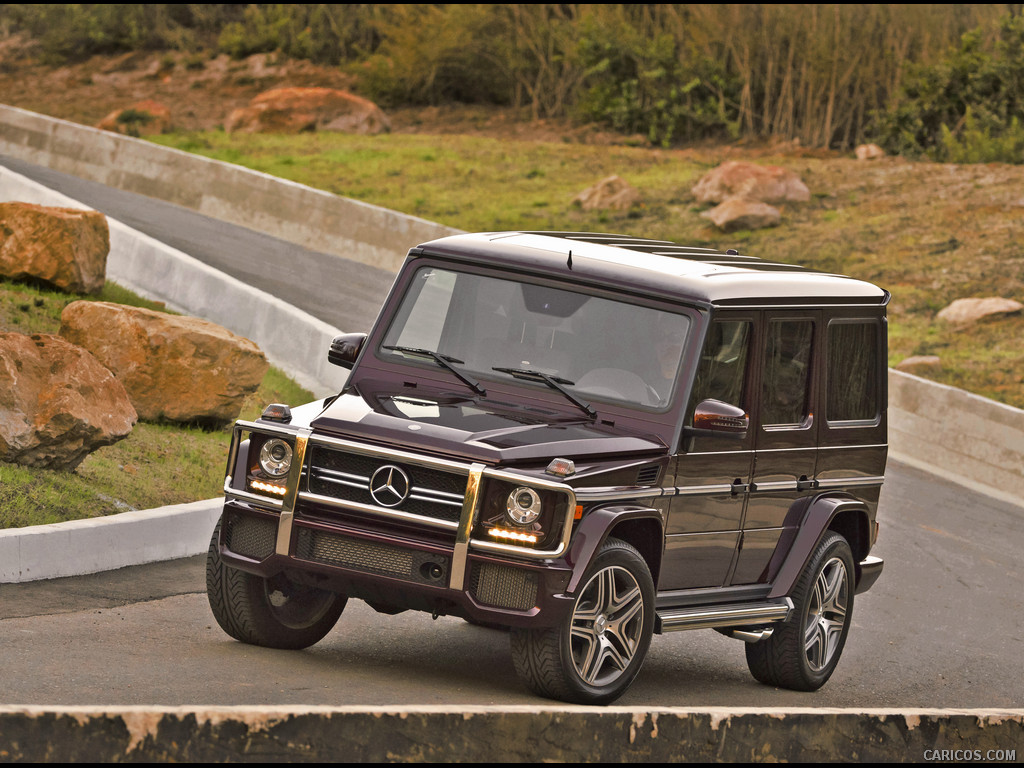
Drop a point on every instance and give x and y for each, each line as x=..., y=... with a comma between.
x=713, y=418
x=345, y=349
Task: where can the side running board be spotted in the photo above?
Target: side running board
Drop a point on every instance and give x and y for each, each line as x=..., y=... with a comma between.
x=716, y=616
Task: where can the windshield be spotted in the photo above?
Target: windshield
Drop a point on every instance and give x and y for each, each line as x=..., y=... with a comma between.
x=593, y=347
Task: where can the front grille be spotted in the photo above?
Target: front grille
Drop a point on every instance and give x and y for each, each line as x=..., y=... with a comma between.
x=346, y=476
x=252, y=537
x=504, y=587
x=371, y=557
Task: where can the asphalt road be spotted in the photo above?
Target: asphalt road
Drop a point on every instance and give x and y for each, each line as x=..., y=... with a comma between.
x=941, y=628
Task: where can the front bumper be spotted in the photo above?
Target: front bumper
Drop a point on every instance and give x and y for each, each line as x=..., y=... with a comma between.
x=397, y=571
x=422, y=553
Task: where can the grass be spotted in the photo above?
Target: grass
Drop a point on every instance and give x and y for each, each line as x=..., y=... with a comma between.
x=156, y=465
x=929, y=233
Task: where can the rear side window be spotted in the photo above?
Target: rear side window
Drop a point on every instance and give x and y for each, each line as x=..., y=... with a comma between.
x=853, y=370
x=787, y=372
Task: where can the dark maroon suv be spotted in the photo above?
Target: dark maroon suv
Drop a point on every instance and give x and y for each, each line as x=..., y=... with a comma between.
x=587, y=439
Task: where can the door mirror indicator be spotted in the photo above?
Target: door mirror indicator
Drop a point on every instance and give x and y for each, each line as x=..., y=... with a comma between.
x=713, y=418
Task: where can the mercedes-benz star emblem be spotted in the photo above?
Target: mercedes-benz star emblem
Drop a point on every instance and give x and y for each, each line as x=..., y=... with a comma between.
x=389, y=486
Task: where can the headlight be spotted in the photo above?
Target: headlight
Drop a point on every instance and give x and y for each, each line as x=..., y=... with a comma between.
x=523, y=506
x=276, y=457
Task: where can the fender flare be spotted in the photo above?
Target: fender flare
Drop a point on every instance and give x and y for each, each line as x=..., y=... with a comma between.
x=820, y=512
x=595, y=528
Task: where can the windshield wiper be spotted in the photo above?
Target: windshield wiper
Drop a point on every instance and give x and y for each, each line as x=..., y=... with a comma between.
x=445, y=361
x=555, y=382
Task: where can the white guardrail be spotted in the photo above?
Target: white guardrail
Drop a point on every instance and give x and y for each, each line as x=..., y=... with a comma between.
x=962, y=437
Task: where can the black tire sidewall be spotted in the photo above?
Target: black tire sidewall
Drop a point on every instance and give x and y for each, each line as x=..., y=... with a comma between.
x=613, y=553
x=832, y=545
x=240, y=605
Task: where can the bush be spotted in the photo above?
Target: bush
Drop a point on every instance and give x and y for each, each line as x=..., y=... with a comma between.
x=969, y=105
x=432, y=54
x=641, y=81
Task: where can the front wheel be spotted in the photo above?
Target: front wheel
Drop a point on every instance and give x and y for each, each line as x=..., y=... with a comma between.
x=803, y=652
x=593, y=656
x=273, y=612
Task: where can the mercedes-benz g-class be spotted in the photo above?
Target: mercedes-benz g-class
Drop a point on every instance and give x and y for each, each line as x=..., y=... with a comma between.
x=586, y=439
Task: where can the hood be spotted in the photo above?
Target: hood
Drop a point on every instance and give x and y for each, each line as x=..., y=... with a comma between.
x=486, y=431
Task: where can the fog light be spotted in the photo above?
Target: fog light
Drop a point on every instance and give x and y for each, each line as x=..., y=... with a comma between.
x=517, y=536
x=259, y=485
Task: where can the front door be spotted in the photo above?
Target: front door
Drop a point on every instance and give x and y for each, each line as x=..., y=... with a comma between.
x=712, y=474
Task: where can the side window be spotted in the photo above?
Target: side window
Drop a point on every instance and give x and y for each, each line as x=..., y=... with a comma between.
x=723, y=364
x=424, y=318
x=853, y=378
x=787, y=372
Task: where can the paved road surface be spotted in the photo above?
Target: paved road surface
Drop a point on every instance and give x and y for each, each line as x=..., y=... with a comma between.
x=940, y=629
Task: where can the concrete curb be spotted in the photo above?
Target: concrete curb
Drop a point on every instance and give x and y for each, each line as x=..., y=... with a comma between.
x=78, y=547
x=506, y=734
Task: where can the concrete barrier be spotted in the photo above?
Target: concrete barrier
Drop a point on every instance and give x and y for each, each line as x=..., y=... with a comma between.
x=505, y=734
x=299, y=214
x=107, y=543
x=969, y=439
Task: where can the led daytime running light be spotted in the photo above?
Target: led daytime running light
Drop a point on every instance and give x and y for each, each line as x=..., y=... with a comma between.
x=525, y=538
x=259, y=485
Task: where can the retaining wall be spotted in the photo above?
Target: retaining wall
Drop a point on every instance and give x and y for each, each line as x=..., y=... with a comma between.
x=506, y=734
x=316, y=220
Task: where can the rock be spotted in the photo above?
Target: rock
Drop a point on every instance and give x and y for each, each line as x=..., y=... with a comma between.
x=764, y=183
x=64, y=247
x=965, y=311
x=919, y=364
x=742, y=213
x=869, y=152
x=57, y=402
x=610, y=193
x=293, y=110
x=143, y=118
x=180, y=369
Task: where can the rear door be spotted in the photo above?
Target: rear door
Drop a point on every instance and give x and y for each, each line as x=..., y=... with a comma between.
x=785, y=428
x=712, y=474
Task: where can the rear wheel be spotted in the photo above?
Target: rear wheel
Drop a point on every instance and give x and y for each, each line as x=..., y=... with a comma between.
x=597, y=651
x=273, y=612
x=803, y=653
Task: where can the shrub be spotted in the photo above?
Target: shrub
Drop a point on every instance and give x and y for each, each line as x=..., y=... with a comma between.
x=969, y=105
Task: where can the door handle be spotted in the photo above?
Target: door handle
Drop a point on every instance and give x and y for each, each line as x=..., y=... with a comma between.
x=738, y=487
x=803, y=484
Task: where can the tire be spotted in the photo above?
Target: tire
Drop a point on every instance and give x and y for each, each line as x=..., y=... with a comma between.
x=274, y=612
x=803, y=653
x=593, y=656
